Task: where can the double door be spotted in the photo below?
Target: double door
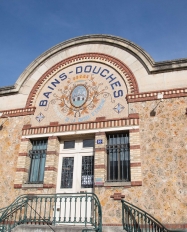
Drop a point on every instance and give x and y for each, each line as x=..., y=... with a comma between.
x=76, y=164
x=75, y=177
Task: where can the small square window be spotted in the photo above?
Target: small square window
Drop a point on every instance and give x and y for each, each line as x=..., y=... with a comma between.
x=88, y=143
x=69, y=144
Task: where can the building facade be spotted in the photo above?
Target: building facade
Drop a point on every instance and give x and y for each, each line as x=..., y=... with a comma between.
x=97, y=114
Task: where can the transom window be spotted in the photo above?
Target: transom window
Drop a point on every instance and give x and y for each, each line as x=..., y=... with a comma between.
x=69, y=144
x=88, y=143
x=38, y=157
x=118, y=157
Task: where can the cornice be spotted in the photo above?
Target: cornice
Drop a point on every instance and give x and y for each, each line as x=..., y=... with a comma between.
x=18, y=112
x=153, y=95
x=150, y=65
x=89, y=125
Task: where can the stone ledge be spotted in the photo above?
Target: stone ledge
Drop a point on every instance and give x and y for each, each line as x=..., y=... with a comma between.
x=117, y=184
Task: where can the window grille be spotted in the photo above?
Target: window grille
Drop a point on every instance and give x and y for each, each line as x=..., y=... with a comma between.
x=38, y=157
x=118, y=157
x=87, y=172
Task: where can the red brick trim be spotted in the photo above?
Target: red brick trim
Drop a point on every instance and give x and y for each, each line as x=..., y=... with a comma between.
x=21, y=170
x=23, y=154
x=138, y=164
x=117, y=196
x=150, y=96
x=97, y=149
x=100, y=166
x=100, y=118
x=133, y=147
x=135, y=115
x=80, y=58
x=49, y=186
x=18, y=112
x=51, y=169
x=136, y=183
x=52, y=153
x=26, y=126
x=134, y=130
x=118, y=122
x=17, y=186
x=53, y=124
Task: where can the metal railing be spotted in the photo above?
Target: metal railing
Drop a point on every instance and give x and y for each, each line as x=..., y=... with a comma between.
x=76, y=209
x=135, y=219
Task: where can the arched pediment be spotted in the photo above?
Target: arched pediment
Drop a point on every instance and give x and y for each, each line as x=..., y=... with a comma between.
x=81, y=88
x=109, y=61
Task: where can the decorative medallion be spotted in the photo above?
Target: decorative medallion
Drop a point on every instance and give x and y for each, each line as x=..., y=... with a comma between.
x=78, y=96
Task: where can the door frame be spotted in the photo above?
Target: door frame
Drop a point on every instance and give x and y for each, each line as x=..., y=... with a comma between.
x=77, y=154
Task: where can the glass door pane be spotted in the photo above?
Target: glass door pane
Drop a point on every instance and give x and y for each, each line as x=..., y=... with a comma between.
x=87, y=172
x=67, y=172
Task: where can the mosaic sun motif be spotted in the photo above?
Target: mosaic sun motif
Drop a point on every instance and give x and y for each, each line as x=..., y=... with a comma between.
x=79, y=96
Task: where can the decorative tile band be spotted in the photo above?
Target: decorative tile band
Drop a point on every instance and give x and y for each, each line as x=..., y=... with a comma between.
x=28, y=130
x=18, y=112
x=150, y=96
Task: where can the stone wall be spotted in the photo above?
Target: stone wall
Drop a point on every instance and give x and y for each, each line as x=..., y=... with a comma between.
x=163, y=142
x=163, y=150
x=10, y=137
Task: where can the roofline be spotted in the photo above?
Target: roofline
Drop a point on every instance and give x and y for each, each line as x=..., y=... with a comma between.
x=147, y=61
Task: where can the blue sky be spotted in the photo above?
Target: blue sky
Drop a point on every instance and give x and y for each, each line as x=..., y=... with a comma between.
x=30, y=27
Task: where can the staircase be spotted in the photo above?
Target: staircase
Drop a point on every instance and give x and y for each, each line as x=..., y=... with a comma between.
x=135, y=219
x=79, y=211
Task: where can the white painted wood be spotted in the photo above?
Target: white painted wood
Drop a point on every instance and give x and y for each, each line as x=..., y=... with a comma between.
x=82, y=209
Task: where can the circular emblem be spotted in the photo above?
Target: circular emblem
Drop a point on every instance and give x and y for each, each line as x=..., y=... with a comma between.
x=79, y=95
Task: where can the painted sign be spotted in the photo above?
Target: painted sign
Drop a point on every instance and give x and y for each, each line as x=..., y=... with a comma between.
x=82, y=92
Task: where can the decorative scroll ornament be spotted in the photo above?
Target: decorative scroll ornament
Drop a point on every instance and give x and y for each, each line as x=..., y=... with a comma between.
x=80, y=96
